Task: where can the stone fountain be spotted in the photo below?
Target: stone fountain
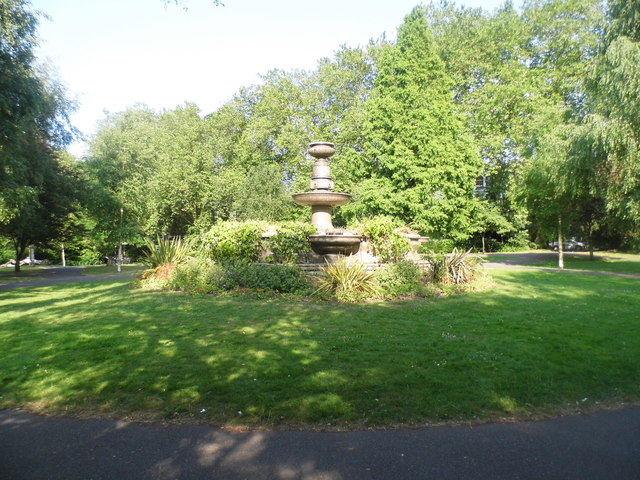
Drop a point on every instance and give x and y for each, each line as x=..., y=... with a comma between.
x=328, y=241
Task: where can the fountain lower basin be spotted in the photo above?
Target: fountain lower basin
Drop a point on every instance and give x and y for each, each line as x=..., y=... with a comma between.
x=343, y=244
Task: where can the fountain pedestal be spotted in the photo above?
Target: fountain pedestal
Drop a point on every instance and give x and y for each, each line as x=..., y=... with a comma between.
x=321, y=199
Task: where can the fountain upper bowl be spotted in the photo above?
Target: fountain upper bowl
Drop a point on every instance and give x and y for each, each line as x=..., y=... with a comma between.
x=321, y=198
x=321, y=149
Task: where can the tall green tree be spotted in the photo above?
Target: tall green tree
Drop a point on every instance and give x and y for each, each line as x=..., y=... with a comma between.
x=613, y=121
x=417, y=163
x=559, y=186
x=33, y=127
x=517, y=76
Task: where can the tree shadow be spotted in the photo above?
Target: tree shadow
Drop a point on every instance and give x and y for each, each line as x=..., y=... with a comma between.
x=70, y=449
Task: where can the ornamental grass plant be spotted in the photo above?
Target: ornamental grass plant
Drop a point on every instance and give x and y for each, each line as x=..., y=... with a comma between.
x=458, y=267
x=348, y=280
x=162, y=258
x=166, y=251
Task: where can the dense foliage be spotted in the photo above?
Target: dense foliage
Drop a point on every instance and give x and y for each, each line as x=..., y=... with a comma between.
x=417, y=162
x=400, y=279
x=489, y=129
x=382, y=232
x=291, y=239
x=38, y=187
x=232, y=241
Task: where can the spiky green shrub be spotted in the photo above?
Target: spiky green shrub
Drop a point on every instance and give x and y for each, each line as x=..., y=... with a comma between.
x=348, y=281
x=166, y=251
x=457, y=267
x=232, y=241
x=291, y=239
x=400, y=279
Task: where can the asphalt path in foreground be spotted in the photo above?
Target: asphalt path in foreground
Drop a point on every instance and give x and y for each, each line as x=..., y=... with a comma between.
x=604, y=445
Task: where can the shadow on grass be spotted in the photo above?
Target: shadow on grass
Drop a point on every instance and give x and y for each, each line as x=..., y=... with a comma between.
x=537, y=340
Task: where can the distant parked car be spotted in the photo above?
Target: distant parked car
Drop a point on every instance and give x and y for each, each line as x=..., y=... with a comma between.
x=571, y=245
x=27, y=261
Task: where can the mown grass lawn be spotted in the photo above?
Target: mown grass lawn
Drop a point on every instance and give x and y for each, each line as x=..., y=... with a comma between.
x=615, y=263
x=538, y=342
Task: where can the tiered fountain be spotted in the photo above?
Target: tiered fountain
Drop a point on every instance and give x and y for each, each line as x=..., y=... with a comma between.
x=328, y=241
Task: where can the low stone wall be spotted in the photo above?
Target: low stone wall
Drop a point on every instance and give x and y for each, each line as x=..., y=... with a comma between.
x=370, y=266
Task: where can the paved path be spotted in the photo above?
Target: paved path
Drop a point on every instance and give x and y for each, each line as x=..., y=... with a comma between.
x=601, y=446
x=44, y=277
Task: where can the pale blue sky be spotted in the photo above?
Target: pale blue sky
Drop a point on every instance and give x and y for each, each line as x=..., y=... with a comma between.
x=112, y=54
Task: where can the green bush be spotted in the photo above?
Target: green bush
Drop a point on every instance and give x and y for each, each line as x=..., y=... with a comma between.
x=518, y=242
x=232, y=241
x=387, y=242
x=260, y=276
x=7, y=251
x=438, y=245
x=291, y=239
x=403, y=278
x=197, y=276
x=90, y=257
x=348, y=281
x=201, y=276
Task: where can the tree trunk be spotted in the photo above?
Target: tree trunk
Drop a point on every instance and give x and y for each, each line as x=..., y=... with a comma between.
x=19, y=248
x=590, y=240
x=560, y=247
x=483, y=249
x=119, y=262
x=64, y=260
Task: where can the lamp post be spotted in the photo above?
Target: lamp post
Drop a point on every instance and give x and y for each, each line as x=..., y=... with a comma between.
x=119, y=262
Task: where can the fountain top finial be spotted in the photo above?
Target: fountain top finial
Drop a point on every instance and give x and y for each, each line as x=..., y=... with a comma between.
x=321, y=149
